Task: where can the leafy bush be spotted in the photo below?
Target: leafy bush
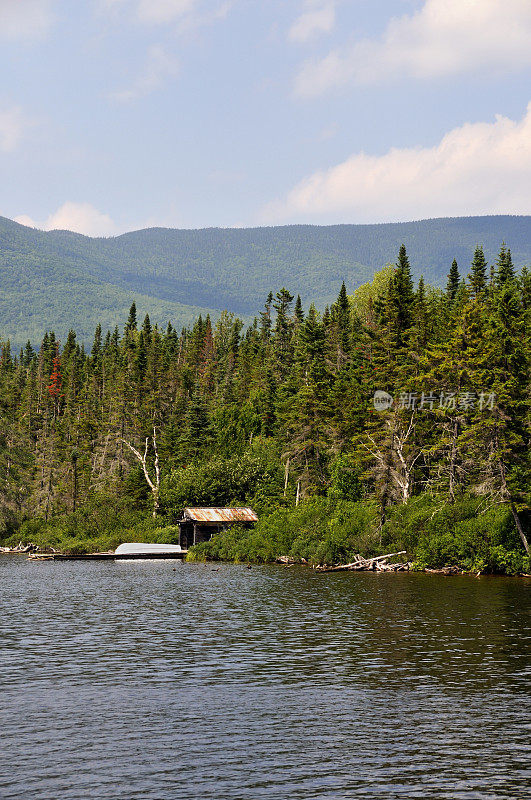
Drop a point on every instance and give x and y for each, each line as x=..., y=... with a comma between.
x=465, y=534
x=345, y=480
x=318, y=531
x=254, y=478
x=100, y=525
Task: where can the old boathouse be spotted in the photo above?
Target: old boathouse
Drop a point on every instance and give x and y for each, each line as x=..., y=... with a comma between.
x=199, y=524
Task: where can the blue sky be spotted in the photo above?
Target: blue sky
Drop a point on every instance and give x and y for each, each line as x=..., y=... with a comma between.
x=122, y=114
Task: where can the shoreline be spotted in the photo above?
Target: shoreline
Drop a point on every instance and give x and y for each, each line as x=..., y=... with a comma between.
x=409, y=567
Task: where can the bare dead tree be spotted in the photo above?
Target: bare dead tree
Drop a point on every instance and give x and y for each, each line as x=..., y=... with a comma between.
x=152, y=482
x=402, y=465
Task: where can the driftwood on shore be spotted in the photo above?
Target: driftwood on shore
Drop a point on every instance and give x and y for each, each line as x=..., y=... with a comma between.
x=20, y=548
x=289, y=561
x=378, y=564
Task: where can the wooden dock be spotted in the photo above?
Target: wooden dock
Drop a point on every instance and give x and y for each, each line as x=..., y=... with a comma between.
x=105, y=556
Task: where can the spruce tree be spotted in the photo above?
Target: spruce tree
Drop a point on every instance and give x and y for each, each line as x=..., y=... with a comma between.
x=96, y=347
x=265, y=318
x=344, y=321
x=29, y=354
x=419, y=331
x=452, y=285
x=497, y=438
x=147, y=329
x=131, y=320
x=401, y=297
x=478, y=272
x=298, y=312
x=283, y=329
x=140, y=359
x=504, y=267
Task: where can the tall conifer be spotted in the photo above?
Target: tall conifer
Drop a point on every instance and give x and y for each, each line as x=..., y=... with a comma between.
x=478, y=272
x=452, y=285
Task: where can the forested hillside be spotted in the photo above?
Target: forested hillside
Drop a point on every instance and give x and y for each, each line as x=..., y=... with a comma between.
x=398, y=418
x=60, y=280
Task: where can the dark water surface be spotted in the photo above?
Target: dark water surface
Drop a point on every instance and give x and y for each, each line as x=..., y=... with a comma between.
x=156, y=679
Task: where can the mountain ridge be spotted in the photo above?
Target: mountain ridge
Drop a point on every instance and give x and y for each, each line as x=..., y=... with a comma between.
x=62, y=279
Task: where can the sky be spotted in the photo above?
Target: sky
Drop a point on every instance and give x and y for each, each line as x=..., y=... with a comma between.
x=124, y=114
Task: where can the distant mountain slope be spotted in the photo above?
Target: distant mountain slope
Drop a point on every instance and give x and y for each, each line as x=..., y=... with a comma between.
x=60, y=279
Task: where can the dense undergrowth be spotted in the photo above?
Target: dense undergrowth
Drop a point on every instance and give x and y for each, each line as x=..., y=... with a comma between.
x=323, y=530
x=433, y=533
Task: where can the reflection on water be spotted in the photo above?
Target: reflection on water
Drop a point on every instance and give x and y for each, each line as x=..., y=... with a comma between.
x=156, y=679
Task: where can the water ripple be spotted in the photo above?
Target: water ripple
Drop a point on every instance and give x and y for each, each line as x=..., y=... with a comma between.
x=155, y=679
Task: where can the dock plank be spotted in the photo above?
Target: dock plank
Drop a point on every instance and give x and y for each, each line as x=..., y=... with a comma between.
x=108, y=556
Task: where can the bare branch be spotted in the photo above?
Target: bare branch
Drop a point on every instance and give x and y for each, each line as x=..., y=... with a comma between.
x=143, y=461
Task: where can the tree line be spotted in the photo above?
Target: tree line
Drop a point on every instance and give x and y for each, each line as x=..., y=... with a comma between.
x=395, y=393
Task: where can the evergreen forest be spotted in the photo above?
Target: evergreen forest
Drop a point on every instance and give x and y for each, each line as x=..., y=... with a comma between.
x=397, y=417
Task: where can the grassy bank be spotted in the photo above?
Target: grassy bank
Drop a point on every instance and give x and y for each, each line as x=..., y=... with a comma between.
x=433, y=532
x=100, y=525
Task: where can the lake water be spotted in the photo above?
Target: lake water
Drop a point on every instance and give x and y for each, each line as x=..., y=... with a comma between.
x=162, y=680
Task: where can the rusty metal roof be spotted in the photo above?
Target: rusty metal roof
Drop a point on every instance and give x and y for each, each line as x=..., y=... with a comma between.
x=220, y=514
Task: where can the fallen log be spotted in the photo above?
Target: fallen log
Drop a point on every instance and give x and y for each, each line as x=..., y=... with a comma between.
x=362, y=564
x=20, y=548
x=383, y=567
x=389, y=555
x=353, y=565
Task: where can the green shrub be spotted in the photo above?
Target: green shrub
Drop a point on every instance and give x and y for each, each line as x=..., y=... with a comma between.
x=345, y=481
x=438, y=533
x=317, y=531
x=254, y=478
x=100, y=525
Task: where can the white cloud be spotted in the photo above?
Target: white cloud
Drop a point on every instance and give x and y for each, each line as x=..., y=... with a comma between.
x=446, y=37
x=318, y=17
x=24, y=19
x=478, y=168
x=212, y=12
x=77, y=217
x=159, y=66
x=12, y=126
